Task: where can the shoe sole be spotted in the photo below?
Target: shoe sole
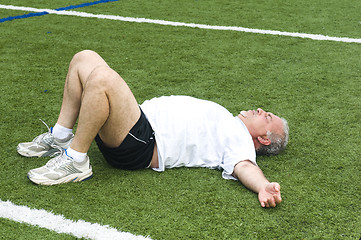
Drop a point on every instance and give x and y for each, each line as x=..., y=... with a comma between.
x=70, y=178
x=26, y=153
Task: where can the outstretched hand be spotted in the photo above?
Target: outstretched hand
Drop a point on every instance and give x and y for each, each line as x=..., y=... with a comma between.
x=270, y=195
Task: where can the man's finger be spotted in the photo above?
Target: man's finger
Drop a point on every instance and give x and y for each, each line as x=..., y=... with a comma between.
x=271, y=202
x=276, y=187
x=278, y=198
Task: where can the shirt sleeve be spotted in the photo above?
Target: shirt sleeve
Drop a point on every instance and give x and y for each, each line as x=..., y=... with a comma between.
x=228, y=174
x=238, y=149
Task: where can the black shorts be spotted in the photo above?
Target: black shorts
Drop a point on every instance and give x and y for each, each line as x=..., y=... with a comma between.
x=136, y=150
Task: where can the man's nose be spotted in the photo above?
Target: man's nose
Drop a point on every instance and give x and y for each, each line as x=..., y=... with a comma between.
x=260, y=111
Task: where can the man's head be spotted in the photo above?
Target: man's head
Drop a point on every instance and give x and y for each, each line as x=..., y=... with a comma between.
x=269, y=132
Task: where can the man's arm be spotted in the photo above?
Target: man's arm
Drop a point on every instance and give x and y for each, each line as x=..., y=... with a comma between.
x=251, y=176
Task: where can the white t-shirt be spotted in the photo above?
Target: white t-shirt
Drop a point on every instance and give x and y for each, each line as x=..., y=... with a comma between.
x=191, y=132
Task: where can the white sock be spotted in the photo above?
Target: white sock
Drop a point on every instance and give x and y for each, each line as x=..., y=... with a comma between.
x=61, y=132
x=77, y=156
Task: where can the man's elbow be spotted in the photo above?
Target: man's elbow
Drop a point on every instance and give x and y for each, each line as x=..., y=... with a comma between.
x=240, y=166
x=244, y=163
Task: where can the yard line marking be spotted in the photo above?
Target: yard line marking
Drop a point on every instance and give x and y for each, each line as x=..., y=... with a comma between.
x=191, y=25
x=59, y=224
x=84, y=5
x=58, y=9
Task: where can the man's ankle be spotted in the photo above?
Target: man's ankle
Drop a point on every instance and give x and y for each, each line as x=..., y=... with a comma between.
x=75, y=155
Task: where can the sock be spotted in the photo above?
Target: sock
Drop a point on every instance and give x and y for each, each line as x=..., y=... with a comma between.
x=61, y=132
x=77, y=156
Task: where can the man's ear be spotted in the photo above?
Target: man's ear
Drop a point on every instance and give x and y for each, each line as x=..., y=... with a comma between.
x=264, y=140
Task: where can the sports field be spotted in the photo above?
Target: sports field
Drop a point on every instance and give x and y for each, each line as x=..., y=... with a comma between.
x=298, y=59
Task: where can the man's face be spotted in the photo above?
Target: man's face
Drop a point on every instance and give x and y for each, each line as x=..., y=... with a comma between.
x=259, y=122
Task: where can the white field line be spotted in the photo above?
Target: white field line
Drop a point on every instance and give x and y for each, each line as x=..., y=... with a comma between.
x=59, y=224
x=182, y=24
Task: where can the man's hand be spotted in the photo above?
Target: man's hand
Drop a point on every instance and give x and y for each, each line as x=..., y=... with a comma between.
x=270, y=195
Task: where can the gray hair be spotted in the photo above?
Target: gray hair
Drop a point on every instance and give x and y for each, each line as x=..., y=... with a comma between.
x=278, y=141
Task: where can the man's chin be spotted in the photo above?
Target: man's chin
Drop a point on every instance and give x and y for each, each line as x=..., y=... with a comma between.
x=243, y=113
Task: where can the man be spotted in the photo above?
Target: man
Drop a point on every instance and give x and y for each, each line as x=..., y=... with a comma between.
x=161, y=133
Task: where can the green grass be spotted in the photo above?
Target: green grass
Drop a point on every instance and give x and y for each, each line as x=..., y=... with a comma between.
x=313, y=84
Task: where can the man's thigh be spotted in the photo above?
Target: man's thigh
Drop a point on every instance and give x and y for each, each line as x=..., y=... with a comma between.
x=124, y=112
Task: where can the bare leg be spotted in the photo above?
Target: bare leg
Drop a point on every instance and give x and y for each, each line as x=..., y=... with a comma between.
x=102, y=99
x=105, y=105
x=80, y=67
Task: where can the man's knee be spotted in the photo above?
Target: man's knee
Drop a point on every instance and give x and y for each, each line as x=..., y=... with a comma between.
x=84, y=56
x=102, y=77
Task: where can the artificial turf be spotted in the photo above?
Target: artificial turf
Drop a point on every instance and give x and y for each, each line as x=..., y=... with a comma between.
x=315, y=85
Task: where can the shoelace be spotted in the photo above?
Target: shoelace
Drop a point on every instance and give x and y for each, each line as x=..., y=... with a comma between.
x=47, y=137
x=44, y=136
x=60, y=160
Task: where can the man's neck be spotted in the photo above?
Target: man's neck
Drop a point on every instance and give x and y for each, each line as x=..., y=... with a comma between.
x=256, y=143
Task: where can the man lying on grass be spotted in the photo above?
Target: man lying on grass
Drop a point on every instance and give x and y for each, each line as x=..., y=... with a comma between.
x=164, y=132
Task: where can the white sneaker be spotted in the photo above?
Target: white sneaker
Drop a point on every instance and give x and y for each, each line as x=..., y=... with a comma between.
x=61, y=169
x=44, y=145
